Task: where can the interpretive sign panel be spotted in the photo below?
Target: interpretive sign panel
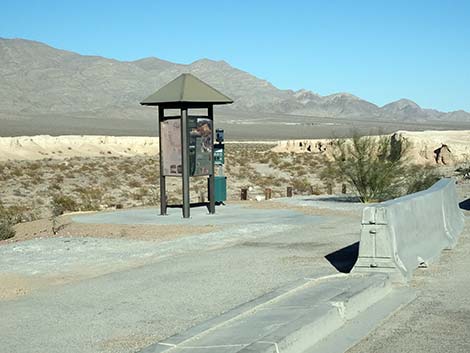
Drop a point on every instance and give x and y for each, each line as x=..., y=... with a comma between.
x=171, y=147
x=200, y=146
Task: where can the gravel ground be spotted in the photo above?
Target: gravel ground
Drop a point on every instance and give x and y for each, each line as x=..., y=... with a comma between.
x=126, y=294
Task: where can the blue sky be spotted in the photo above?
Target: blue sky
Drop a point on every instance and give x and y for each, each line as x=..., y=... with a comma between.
x=379, y=50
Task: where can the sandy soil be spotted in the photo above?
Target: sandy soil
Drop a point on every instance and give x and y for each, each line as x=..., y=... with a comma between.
x=66, y=227
x=44, y=146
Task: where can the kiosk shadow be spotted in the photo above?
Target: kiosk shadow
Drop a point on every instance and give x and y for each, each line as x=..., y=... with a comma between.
x=191, y=205
x=344, y=259
x=465, y=205
x=349, y=199
x=196, y=204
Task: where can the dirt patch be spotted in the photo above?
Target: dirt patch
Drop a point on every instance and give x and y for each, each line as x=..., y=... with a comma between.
x=14, y=285
x=66, y=227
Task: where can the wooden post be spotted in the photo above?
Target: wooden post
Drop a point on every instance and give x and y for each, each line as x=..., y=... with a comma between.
x=329, y=188
x=343, y=188
x=289, y=191
x=185, y=161
x=244, y=194
x=210, y=113
x=267, y=193
x=163, y=203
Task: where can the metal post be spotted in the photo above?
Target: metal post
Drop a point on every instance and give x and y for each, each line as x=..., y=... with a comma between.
x=161, y=116
x=185, y=161
x=210, y=113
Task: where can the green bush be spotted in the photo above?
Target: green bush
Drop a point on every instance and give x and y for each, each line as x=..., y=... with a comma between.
x=373, y=166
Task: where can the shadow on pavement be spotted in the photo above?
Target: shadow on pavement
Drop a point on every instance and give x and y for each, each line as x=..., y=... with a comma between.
x=348, y=199
x=465, y=205
x=344, y=259
x=193, y=204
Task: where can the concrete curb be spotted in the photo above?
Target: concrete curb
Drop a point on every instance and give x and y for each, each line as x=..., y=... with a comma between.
x=289, y=320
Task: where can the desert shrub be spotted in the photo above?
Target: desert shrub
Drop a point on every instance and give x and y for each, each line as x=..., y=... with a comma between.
x=140, y=194
x=420, y=178
x=316, y=190
x=55, y=186
x=58, y=179
x=17, y=213
x=134, y=183
x=154, y=196
x=6, y=223
x=463, y=170
x=16, y=171
x=91, y=198
x=285, y=165
x=301, y=185
x=62, y=204
x=373, y=166
x=268, y=181
x=6, y=229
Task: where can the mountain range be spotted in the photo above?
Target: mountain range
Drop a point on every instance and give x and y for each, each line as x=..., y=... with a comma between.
x=36, y=79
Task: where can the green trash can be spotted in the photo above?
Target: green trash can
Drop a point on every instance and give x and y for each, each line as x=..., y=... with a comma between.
x=220, y=192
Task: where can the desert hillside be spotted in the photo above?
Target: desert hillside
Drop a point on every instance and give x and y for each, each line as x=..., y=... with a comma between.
x=39, y=80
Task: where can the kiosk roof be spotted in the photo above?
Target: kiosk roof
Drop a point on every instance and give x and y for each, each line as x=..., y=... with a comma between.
x=186, y=89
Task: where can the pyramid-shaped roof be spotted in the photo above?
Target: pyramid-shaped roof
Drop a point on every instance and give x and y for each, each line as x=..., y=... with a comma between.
x=186, y=88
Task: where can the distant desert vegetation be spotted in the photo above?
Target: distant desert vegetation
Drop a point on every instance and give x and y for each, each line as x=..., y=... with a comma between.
x=83, y=173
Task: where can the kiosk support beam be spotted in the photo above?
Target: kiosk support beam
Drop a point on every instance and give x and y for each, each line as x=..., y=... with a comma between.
x=185, y=161
x=210, y=113
x=161, y=117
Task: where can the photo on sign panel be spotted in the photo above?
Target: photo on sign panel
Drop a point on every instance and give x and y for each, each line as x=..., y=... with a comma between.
x=200, y=145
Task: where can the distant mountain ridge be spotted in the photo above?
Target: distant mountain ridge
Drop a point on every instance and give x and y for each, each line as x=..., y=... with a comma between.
x=38, y=79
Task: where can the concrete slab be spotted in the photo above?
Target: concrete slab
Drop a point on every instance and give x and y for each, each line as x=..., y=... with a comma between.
x=225, y=215
x=341, y=202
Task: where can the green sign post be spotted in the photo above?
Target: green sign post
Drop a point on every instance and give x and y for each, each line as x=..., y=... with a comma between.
x=219, y=154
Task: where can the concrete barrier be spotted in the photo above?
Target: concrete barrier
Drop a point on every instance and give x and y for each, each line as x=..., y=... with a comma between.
x=408, y=232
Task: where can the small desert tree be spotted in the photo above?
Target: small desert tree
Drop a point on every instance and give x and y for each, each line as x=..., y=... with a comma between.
x=6, y=223
x=373, y=166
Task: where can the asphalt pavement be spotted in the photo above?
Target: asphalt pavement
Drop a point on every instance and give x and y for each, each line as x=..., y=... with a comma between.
x=190, y=281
